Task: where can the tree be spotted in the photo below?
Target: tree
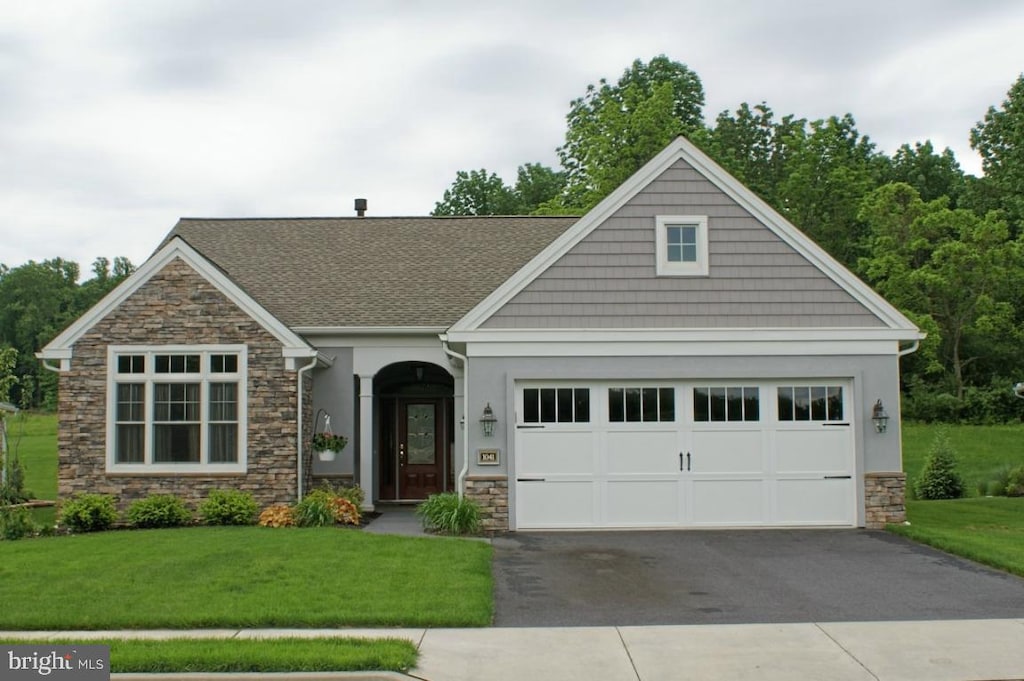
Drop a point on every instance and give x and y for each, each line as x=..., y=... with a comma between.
x=826, y=177
x=999, y=139
x=37, y=301
x=477, y=193
x=612, y=130
x=932, y=175
x=537, y=184
x=958, y=270
x=755, y=147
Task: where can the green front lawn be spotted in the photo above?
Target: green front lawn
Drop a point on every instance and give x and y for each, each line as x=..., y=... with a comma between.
x=987, y=530
x=34, y=438
x=248, y=655
x=243, y=577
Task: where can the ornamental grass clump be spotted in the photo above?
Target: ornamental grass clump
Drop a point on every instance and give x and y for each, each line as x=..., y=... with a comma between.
x=447, y=513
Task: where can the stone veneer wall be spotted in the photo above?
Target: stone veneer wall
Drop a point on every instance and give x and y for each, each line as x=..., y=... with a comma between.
x=491, y=492
x=178, y=306
x=884, y=499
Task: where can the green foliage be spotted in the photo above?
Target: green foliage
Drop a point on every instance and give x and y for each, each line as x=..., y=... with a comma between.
x=16, y=523
x=159, y=510
x=1015, y=482
x=37, y=301
x=933, y=175
x=89, y=512
x=999, y=139
x=940, y=479
x=353, y=493
x=315, y=509
x=995, y=483
x=613, y=130
x=229, y=507
x=12, y=489
x=478, y=192
x=447, y=513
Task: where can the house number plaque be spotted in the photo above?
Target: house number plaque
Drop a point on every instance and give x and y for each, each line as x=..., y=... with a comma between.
x=488, y=457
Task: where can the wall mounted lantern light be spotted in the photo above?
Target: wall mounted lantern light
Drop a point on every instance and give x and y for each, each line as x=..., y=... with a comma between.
x=1018, y=390
x=879, y=416
x=488, y=420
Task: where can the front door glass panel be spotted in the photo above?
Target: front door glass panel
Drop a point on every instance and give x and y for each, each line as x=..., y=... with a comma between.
x=421, y=427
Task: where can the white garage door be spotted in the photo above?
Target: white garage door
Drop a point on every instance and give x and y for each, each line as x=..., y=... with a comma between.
x=711, y=454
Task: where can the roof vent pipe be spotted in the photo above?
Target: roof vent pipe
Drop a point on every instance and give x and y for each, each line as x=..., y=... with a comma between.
x=361, y=208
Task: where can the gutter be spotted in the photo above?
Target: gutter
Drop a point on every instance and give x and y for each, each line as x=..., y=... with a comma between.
x=302, y=370
x=913, y=348
x=461, y=480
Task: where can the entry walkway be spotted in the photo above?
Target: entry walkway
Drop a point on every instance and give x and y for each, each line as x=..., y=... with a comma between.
x=398, y=519
x=949, y=650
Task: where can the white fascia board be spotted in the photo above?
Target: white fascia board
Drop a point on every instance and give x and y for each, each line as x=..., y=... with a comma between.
x=584, y=337
x=177, y=248
x=682, y=148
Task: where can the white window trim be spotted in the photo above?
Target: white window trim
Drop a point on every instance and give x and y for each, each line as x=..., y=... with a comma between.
x=204, y=377
x=664, y=268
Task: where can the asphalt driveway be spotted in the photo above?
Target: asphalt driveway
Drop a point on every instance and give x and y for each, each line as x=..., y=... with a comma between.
x=728, y=577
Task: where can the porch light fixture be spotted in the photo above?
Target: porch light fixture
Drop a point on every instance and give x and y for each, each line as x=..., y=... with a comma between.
x=488, y=420
x=879, y=416
x=1018, y=390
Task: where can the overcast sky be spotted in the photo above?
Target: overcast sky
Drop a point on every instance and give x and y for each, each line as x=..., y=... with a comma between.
x=118, y=117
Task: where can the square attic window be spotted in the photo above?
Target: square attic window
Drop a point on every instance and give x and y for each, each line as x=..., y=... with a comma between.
x=681, y=245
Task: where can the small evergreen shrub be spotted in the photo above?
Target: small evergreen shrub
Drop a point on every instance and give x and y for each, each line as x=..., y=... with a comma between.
x=1015, y=482
x=16, y=523
x=278, y=515
x=939, y=479
x=229, y=507
x=447, y=513
x=89, y=512
x=159, y=510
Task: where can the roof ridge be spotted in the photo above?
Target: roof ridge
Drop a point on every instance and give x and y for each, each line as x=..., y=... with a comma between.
x=379, y=217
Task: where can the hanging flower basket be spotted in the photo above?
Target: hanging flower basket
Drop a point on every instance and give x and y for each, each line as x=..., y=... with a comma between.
x=327, y=445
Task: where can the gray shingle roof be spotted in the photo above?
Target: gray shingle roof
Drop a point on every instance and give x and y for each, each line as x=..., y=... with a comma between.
x=370, y=271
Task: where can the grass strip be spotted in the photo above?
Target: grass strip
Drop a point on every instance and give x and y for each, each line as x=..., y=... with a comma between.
x=252, y=655
x=243, y=577
x=989, y=530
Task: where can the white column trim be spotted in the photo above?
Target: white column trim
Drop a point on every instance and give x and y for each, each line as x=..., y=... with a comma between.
x=366, y=480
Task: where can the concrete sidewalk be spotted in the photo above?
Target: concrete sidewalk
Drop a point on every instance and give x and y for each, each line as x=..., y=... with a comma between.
x=949, y=650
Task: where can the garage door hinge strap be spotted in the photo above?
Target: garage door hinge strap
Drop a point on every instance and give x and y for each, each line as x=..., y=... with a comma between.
x=838, y=477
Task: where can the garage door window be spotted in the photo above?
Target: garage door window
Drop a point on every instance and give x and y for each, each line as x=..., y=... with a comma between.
x=556, y=405
x=641, y=404
x=811, y=403
x=726, y=403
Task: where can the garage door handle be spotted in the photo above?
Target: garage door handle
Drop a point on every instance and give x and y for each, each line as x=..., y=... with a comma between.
x=838, y=477
x=687, y=461
x=531, y=480
x=843, y=423
x=523, y=427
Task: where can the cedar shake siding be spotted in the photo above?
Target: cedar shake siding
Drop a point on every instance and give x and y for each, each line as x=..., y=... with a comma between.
x=178, y=306
x=756, y=280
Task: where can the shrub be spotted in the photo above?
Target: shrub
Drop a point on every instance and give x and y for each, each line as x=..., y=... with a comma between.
x=16, y=522
x=994, y=484
x=939, y=479
x=315, y=509
x=353, y=493
x=229, y=507
x=278, y=515
x=89, y=512
x=13, y=491
x=447, y=513
x=1015, y=482
x=159, y=510
x=345, y=512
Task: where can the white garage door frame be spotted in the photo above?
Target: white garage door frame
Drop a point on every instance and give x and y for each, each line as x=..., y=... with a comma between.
x=684, y=473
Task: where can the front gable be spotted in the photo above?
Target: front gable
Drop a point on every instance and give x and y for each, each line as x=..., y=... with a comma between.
x=761, y=272
x=172, y=262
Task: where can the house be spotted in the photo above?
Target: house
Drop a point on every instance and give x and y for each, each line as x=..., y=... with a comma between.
x=680, y=356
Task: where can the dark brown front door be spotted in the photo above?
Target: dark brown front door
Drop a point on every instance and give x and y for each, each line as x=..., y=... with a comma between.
x=420, y=448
